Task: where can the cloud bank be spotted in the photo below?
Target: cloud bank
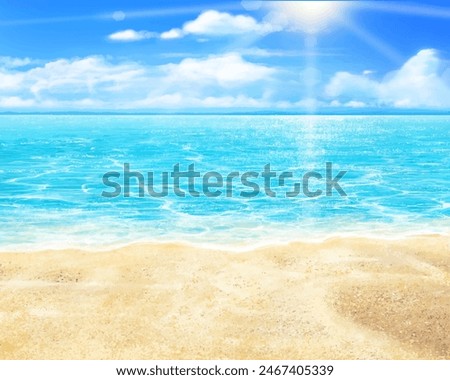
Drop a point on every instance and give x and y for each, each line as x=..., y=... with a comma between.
x=208, y=24
x=227, y=80
x=422, y=82
x=96, y=82
x=213, y=23
x=130, y=35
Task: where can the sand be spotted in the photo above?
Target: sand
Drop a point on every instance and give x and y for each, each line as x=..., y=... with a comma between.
x=343, y=298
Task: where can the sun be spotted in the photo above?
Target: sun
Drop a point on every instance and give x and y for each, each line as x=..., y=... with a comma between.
x=309, y=16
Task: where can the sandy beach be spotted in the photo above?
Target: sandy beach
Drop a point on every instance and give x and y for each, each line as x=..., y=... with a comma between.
x=346, y=298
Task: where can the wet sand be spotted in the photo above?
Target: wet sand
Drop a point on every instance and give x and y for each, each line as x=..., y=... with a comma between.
x=343, y=298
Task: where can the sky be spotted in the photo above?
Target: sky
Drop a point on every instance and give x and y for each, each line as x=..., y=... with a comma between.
x=207, y=56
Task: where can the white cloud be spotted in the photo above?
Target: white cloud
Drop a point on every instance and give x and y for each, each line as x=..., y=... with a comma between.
x=350, y=104
x=81, y=75
x=131, y=35
x=421, y=82
x=180, y=100
x=172, y=34
x=214, y=23
x=11, y=62
x=209, y=23
x=65, y=82
x=418, y=83
x=119, y=16
x=224, y=70
x=9, y=81
x=99, y=83
x=355, y=104
x=346, y=85
x=15, y=102
x=218, y=81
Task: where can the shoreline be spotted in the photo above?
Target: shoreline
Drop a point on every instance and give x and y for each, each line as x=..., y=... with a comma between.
x=238, y=247
x=343, y=298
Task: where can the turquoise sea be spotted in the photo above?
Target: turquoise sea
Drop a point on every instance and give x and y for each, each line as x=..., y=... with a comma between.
x=52, y=166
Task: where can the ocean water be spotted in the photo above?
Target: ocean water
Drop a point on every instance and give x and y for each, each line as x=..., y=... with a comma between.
x=51, y=178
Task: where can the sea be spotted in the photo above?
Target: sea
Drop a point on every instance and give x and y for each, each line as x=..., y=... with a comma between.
x=58, y=176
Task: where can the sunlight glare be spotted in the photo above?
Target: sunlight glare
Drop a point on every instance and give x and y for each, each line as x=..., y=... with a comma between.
x=309, y=16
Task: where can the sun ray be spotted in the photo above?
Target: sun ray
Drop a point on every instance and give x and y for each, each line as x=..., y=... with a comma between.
x=310, y=71
x=132, y=14
x=307, y=16
x=379, y=45
x=407, y=9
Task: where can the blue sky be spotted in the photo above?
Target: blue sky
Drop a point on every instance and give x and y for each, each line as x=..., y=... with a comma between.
x=224, y=56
